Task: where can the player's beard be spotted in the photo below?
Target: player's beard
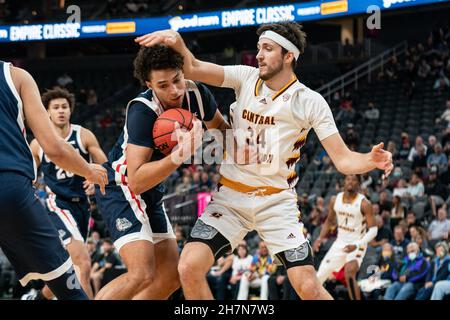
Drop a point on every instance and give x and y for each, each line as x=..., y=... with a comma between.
x=271, y=72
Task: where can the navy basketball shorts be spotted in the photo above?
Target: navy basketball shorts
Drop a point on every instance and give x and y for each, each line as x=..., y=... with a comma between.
x=131, y=217
x=70, y=218
x=28, y=238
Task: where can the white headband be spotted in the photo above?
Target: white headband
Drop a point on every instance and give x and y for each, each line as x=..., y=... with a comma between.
x=282, y=41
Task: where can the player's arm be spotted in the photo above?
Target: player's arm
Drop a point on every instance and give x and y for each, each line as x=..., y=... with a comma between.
x=194, y=69
x=35, y=150
x=351, y=162
x=372, y=229
x=92, y=146
x=60, y=152
x=330, y=221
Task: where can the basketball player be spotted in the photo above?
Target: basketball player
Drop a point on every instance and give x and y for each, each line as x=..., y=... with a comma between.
x=68, y=204
x=279, y=111
x=27, y=236
x=356, y=224
x=132, y=206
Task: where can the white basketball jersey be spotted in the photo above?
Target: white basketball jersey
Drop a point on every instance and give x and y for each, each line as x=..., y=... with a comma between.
x=278, y=121
x=350, y=220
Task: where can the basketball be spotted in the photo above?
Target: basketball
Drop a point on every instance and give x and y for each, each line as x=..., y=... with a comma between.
x=165, y=126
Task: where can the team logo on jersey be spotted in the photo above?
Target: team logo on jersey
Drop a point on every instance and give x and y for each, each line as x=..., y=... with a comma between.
x=123, y=224
x=216, y=215
x=286, y=97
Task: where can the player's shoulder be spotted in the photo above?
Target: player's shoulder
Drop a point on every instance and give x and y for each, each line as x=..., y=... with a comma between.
x=308, y=95
x=144, y=103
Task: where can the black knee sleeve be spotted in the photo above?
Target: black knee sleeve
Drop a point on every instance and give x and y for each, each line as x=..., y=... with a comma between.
x=300, y=256
x=209, y=235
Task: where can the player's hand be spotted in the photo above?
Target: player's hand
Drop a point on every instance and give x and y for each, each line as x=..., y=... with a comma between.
x=89, y=188
x=97, y=175
x=349, y=248
x=188, y=141
x=382, y=159
x=317, y=244
x=167, y=37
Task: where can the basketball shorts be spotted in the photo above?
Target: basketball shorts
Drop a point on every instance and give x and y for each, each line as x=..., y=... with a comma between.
x=28, y=238
x=275, y=217
x=70, y=218
x=336, y=258
x=131, y=217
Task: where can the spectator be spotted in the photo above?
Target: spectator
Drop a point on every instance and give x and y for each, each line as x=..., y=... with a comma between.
x=351, y=137
x=384, y=234
x=431, y=144
x=184, y=186
x=399, y=243
x=420, y=158
x=304, y=206
x=411, y=277
x=415, y=188
x=438, y=158
x=405, y=147
x=220, y=275
x=384, y=203
x=439, y=271
x=401, y=189
x=91, y=98
x=392, y=148
x=413, y=151
x=372, y=113
x=445, y=116
x=397, y=211
x=424, y=69
x=441, y=289
x=441, y=84
x=105, y=262
x=205, y=181
x=439, y=228
x=258, y=274
x=241, y=263
x=435, y=190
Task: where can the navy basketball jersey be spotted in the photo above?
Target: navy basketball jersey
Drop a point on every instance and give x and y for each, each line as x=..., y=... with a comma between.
x=141, y=115
x=63, y=183
x=15, y=153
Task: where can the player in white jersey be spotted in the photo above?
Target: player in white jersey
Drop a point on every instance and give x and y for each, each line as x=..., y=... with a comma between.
x=277, y=111
x=352, y=213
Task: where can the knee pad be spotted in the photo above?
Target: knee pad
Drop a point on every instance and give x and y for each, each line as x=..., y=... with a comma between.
x=300, y=256
x=210, y=236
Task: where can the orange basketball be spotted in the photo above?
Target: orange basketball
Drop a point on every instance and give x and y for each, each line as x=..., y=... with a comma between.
x=165, y=125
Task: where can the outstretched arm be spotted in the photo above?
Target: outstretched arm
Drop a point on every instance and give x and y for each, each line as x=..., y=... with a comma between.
x=194, y=69
x=92, y=146
x=351, y=162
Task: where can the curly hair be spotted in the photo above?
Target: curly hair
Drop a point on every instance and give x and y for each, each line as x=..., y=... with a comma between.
x=58, y=93
x=157, y=57
x=291, y=31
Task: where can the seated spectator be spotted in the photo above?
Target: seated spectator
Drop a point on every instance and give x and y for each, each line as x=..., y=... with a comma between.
x=405, y=147
x=205, y=181
x=242, y=261
x=432, y=141
x=410, y=278
x=439, y=229
x=401, y=189
x=384, y=234
x=372, y=113
x=92, y=98
x=416, y=187
x=438, y=159
x=413, y=151
x=424, y=69
x=351, y=137
x=441, y=289
x=106, y=261
x=184, y=186
x=436, y=190
x=445, y=116
x=399, y=243
x=441, y=84
x=388, y=267
x=258, y=274
x=219, y=276
x=304, y=206
x=397, y=212
x=392, y=148
x=420, y=158
x=439, y=270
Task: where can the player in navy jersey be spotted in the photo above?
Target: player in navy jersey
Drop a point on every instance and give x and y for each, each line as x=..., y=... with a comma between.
x=67, y=202
x=132, y=206
x=27, y=237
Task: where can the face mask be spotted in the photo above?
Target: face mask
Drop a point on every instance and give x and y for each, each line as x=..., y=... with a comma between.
x=412, y=256
x=441, y=254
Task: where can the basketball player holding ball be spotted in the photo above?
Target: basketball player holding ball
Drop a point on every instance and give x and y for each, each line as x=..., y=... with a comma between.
x=132, y=206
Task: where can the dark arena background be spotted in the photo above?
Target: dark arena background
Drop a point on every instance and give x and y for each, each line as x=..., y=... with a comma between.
x=383, y=66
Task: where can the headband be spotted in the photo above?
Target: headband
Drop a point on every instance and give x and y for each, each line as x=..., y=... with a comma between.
x=282, y=41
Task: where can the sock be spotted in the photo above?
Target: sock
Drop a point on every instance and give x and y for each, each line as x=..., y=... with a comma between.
x=67, y=287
